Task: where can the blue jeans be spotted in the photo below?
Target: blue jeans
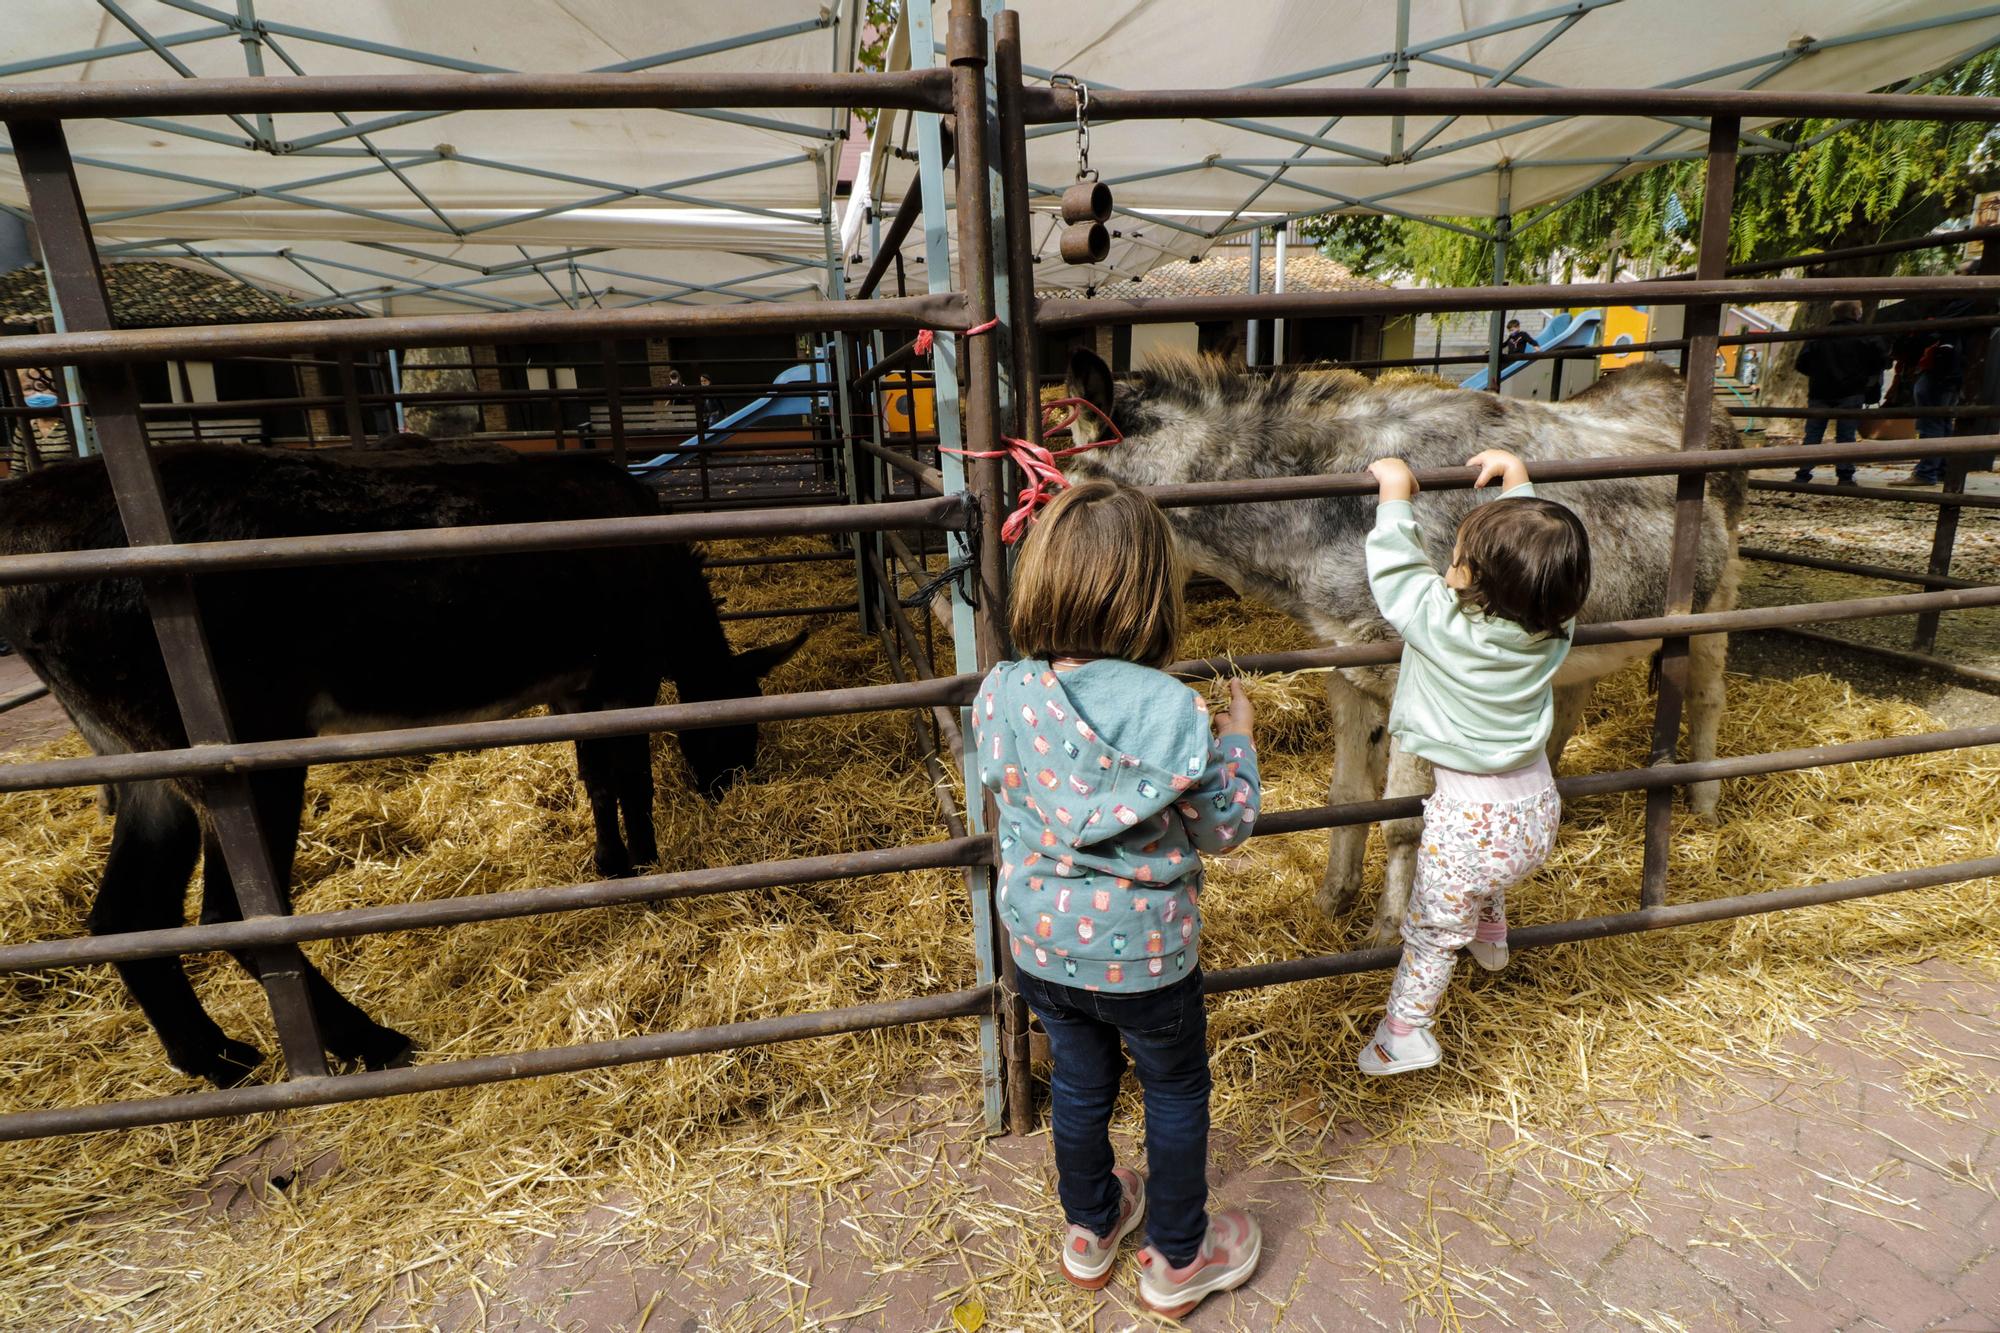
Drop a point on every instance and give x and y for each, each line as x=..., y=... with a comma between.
x=1930, y=391
x=1167, y=1033
x=1843, y=433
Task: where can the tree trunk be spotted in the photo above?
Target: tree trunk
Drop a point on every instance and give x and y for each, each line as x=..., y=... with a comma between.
x=440, y=421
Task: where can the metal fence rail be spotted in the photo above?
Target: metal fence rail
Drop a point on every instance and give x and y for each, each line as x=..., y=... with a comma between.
x=983, y=390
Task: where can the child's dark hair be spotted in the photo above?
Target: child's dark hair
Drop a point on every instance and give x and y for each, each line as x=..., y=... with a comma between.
x=1098, y=576
x=1526, y=560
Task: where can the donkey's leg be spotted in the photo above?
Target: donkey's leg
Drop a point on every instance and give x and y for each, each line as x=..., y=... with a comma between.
x=598, y=769
x=598, y=766
x=629, y=759
x=153, y=850
x=1707, y=656
x=346, y=1029
x=1408, y=776
x=1360, y=757
x=1571, y=700
x=635, y=798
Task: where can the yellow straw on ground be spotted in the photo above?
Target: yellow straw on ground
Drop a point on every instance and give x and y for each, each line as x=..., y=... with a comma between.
x=416, y=1206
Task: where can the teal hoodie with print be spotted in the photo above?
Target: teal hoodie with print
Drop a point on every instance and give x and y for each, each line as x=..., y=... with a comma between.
x=1109, y=785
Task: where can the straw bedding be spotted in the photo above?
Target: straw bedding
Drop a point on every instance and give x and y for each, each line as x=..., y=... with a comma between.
x=402, y=1209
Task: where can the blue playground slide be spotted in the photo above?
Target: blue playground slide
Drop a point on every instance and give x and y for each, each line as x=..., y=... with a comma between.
x=1562, y=331
x=762, y=409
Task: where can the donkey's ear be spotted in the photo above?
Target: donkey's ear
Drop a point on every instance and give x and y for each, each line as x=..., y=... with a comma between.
x=760, y=662
x=1090, y=379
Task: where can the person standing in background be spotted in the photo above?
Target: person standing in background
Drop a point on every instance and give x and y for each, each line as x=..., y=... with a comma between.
x=1842, y=373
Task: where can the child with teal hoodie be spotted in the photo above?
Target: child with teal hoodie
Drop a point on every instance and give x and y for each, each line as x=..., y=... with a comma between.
x=1109, y=784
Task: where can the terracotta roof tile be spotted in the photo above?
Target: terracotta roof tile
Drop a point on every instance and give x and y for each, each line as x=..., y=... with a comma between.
x=1229, y=275
x=150, y=294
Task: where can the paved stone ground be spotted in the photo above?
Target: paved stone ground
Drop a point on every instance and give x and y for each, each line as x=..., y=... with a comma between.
x=31, y=724
x=1830, y=1186
x=1815, y=1193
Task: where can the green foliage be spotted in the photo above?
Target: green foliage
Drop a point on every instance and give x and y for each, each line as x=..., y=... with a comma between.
x=1859, y=183
x=878, y=20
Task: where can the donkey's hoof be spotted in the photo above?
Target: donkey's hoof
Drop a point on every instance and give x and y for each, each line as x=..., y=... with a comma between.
x=614, y=867
x=1336, y=900
x=388, y=1049
x=231, y=1066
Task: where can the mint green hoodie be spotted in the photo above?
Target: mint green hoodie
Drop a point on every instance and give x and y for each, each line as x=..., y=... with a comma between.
x=1473, y=691
x=1108, y=786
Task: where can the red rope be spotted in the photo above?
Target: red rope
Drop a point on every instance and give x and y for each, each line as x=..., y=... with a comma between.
x=1038, y=462
x=925, y=337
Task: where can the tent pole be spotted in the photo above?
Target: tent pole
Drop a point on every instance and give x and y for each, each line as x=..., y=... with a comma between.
x=79, y=433
x=1278, y=286
x=1256, y=326
x=1400, y=75
x=1503, y=234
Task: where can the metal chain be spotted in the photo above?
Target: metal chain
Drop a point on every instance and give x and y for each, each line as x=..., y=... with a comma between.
x=1082, y=91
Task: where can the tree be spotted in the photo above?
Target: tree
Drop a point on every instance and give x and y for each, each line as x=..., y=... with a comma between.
x=1847, y=185
x=878, y=20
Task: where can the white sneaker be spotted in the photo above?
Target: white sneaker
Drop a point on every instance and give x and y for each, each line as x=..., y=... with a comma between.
x=1387, y=1053
x=1491, y=956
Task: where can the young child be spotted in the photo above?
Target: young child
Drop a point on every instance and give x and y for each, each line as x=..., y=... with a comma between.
x=1480, y=647
x=1109, y=785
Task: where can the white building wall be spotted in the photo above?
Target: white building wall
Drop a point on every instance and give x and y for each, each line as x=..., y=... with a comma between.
x=1150, y=340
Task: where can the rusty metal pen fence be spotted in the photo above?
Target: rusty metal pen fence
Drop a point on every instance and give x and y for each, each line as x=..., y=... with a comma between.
x=895, y=494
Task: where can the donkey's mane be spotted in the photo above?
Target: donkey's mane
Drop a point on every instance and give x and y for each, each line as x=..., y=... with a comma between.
x=1209, y=382
x=1176, y=379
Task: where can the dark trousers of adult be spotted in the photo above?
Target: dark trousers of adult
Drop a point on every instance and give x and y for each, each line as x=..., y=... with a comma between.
x=1932, y=391
x=1166, y=1032
x=1843, y=433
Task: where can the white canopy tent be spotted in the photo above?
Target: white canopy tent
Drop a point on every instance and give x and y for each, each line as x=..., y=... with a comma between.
x=1181, y=185
x=499, y=210
x=436, y=211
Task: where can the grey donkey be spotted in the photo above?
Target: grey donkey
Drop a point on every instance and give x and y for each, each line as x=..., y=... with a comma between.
x=1187, y=420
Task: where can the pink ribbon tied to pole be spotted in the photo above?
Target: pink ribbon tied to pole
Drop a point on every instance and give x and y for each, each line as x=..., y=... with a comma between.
x=925, y=337
x=1038, y=462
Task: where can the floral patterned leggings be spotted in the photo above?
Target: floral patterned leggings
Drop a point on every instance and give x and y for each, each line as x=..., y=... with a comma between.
x=1471, y=853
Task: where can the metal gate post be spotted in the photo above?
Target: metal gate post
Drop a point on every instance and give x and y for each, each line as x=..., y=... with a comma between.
x=952, y=434
x=1703, y=323
x=70, y=257
x=350, y=398
x=614, y=401
x=1972, y=389
x=1024, y=416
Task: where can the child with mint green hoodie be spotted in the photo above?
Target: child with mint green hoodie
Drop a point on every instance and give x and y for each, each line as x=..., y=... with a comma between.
x=1482, y=644
x=1108, y=785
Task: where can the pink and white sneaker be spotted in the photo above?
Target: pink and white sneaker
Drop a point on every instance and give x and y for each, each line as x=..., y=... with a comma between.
x=1227, y=1257
x=1086, y=1256
x=1390, y=1052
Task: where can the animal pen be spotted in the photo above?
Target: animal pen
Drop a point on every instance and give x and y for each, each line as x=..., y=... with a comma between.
x=895, y=496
